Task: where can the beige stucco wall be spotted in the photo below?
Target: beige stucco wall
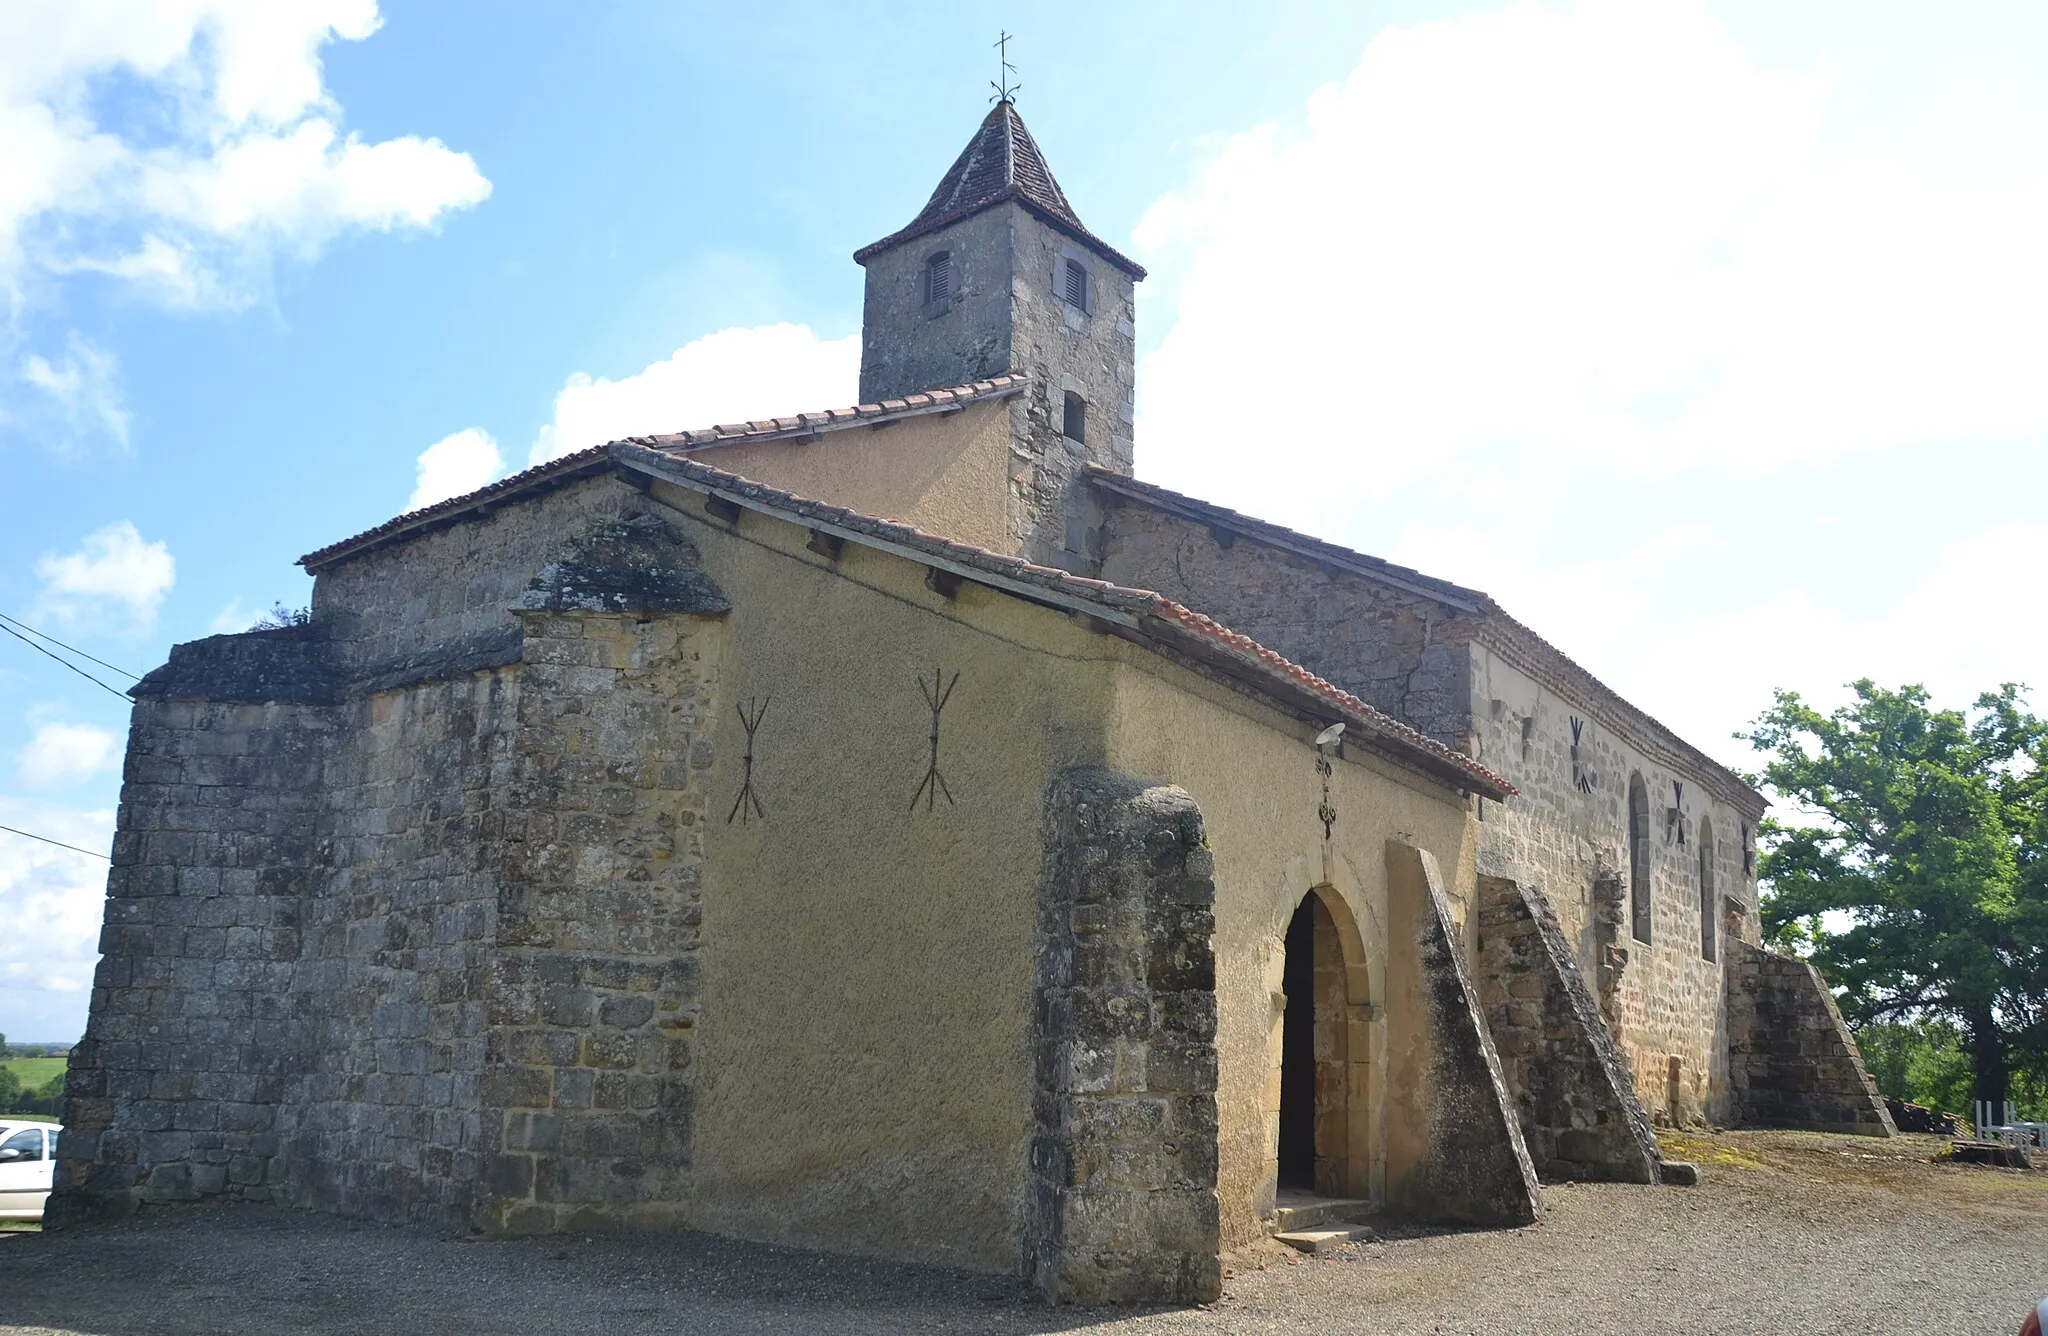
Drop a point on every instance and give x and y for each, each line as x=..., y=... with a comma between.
x=852, y=1089
x=1253, y=772
x=944, y=472
x=861, y=1064
x=865, y=1061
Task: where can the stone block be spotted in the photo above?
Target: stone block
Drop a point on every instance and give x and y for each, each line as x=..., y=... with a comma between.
x=511, y=1176
x=516, y=1088
x=626, y=1013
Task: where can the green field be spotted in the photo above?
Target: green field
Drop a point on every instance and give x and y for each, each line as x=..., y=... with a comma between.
x=35, y=1073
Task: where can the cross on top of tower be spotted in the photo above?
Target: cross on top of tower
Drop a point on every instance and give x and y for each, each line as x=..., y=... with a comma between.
x=1005, y=90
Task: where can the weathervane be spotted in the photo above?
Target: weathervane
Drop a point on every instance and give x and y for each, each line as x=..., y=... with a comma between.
x=1005, y=90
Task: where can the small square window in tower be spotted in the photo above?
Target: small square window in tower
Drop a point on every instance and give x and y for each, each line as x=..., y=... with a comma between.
x=1074, y=424
x=938, y=278
x=1074, y=284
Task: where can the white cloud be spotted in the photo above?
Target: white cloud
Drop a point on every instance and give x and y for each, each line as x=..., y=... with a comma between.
x=1705, y=365
x=81, y=391
x=731, y=376
x=1628, y=615
x=60, y=755
x=178, y=147
x=1599, y=235
x=459, y=462
x=1952, y=630
x=240, y=155
x=52, y=901
x=232, y=619
x=114, y=570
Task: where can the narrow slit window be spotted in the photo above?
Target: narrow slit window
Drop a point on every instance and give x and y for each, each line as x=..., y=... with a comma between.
x=1076, y=284
x=938, y=277
x=1075, y=424
x=1639, y=858
x=1709, y=925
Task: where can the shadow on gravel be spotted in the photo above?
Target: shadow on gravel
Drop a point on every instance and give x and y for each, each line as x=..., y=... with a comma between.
x=264, y=1269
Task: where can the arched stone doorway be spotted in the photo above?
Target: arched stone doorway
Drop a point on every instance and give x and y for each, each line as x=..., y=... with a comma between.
x=1322, y=1084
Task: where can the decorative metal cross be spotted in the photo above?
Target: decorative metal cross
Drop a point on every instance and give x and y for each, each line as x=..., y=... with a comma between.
x=1005, y=90
x=934, y=783
x=1582, y=769
x=748, y=801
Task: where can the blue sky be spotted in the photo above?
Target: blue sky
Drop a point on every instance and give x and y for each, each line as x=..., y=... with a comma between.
x=1705, y=336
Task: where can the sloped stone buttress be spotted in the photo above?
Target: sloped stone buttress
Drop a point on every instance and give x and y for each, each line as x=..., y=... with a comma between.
x=1573, y=1093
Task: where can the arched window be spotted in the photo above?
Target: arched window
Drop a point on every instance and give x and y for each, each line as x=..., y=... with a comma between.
x=938, y=278
x=1639, y=858
x=1074, y=284
x=1709, y=928
x=1074, y=420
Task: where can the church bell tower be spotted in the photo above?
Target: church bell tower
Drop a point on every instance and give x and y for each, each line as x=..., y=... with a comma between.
x=997, y=274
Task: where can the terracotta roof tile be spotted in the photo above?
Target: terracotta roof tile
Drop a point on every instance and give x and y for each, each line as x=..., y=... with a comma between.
x=731, y=433
x=1497, y=627
x=653, y=455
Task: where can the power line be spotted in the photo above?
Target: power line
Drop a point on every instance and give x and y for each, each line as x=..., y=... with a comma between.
x=59, y=843
x=116, y=691
x=133, y=677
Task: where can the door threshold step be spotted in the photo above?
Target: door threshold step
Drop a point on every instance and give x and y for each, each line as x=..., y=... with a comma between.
x=1297, y=1211
x=1323, y=1242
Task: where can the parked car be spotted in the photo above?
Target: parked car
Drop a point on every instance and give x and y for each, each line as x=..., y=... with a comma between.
x=28, y=1156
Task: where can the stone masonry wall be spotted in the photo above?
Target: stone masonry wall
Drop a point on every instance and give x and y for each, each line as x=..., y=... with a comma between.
x=908, y=345
x=1401, y=653
x=1572, y=1089
x=594, y=994
x=413, y=939
x=1091, y=352
x=1424, y=662
x=1006, y=314
x=1569, y=825
x=180, y=1087
x=393, y=980
x=1792, y=1061
x=1122, y=1199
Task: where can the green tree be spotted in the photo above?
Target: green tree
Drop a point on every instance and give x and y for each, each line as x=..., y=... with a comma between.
x=1922, y=1061
x=1923, y=830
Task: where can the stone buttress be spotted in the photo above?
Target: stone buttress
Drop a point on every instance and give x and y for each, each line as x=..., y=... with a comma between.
x=1573, y=1092
x=1122, y=1197
x=413, y=940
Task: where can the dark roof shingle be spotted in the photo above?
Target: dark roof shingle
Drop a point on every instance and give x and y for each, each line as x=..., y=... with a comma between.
x=1002, y=162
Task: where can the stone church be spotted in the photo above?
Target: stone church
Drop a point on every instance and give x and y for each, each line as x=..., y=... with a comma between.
x=899, y=829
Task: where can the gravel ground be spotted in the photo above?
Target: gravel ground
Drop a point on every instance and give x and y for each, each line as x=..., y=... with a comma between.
x=1788, y=1233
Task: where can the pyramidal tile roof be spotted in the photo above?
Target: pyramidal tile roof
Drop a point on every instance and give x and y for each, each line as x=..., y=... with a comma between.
x=1002, y=162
